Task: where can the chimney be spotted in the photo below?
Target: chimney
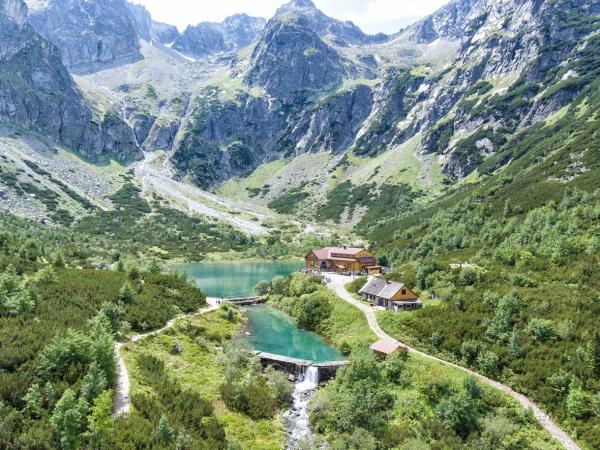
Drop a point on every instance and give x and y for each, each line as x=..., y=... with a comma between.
x=345, y=247
x=388, y=281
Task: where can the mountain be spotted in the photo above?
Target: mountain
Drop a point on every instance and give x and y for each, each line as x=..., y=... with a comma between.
x=453, y=21
x=308, y=62
x=90, y=34
x=38, y=93
x=278, y=112
x=339, y=32
x=207, y=38
x=149, y=29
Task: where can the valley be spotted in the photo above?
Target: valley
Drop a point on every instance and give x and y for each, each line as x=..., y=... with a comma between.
x=148, y=174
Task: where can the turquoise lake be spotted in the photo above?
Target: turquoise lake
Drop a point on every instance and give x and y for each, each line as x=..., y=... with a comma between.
x=235, y=279
x=272, y=331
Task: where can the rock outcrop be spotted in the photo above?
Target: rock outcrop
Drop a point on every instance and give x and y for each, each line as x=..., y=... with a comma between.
x=91, y=34
x=340, y=32
x=38, y=93
x=151, y=30
x=516, y=63
x=290, y=59
x=208, y=38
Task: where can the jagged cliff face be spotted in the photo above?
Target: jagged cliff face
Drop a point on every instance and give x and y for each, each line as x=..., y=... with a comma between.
x=341, y=33
x=90, y=34
x=207, y=38
x=150, y=30
x=511, y=71
x=37, y=92
x=537, y=44
x=312, y=83
x=291, y=58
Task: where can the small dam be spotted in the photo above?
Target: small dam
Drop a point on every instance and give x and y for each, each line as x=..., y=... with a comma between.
x=298, y=367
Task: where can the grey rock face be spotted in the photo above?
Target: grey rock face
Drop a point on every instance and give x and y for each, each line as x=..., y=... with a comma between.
x=290, y=59
x=332, y=125
x=38, y=93
x=163, y=33
x=208, y=38
x=161, y=136
x=455, y=20
x=224, y=139
x=342, y=33
x=90, y=34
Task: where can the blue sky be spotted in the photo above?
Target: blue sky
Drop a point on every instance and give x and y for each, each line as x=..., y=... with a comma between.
x=372, y=16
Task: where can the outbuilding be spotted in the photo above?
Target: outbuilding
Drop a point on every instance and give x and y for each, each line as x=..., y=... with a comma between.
x=386, y=347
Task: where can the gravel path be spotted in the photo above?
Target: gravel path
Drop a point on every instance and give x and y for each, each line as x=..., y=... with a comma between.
x=122, y=404
x=338, y=283
x=195, y=200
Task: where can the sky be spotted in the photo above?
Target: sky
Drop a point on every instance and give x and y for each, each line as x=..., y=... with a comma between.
x=373, y=16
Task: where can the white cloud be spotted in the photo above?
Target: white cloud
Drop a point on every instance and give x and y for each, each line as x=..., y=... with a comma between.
x=371, y=15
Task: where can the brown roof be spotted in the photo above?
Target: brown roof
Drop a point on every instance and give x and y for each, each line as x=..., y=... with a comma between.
x=386, y=346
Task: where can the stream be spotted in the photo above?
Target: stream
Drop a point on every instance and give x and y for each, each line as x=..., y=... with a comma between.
x=296, y=418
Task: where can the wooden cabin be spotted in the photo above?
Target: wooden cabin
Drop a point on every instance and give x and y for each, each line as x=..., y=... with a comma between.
x=340, y=259
x=390, y=295
x=386, y=347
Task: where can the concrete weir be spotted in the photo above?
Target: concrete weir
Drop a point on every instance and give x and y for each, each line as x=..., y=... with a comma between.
x=296, y=367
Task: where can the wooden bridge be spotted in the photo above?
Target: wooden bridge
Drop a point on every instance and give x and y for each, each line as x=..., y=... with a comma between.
x=244, y=301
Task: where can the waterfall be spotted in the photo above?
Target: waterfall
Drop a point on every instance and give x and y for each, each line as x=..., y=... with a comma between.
x=310, y=381
x=297, y=421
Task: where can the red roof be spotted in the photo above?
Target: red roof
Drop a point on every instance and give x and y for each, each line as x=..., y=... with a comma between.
x=326, y=253
x=386, y=346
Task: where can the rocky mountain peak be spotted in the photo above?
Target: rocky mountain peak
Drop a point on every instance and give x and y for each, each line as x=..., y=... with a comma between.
x=90, y=34
x=290, y=58
x=15, y=11
x=341, y=33
x=38, y=93
x=207, y=38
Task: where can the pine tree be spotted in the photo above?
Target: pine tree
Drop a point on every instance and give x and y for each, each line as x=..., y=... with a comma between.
x=576, y=400
x=67, y=421
x=514, y=344
x=126, y=293
x=94, y=383
x=33, y=401
x=594, y=354
x=154, y=267
x=101, y=347
x=164, y=430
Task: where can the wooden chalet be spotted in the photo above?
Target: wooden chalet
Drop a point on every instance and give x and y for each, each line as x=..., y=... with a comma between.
x=342, y=260
x=390, y=295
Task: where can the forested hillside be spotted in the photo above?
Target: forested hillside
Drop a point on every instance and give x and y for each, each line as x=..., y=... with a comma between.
x=509, y=264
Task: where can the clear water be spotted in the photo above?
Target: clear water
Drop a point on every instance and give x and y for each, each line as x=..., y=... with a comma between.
x=274, y=332
x=235, y=279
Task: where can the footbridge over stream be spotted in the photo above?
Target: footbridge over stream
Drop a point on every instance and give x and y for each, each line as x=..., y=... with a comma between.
x=243, y=301
x=297, y=367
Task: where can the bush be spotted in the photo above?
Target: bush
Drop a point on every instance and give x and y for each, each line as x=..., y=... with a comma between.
x=541, y=330
x=313, y=309
x=281, y=388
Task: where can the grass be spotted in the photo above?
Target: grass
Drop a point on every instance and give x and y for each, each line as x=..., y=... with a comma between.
x=347, y=324
x=197, y=368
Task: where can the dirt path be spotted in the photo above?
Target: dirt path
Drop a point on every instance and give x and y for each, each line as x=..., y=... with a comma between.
x=122, y=404
x=338, y=283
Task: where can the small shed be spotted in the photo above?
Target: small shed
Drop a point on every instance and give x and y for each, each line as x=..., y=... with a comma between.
x=375, y=270
x=386, y=347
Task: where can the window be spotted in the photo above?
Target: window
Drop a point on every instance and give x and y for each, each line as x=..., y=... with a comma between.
x=403, y=291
